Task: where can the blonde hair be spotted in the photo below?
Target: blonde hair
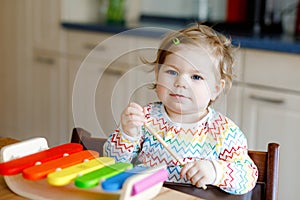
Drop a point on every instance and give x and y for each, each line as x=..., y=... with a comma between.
x=219, y=47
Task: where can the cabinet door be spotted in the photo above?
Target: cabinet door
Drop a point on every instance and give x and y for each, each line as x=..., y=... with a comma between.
x=141, y=80
x=112, y=96
x=49, y=86
x=46, y=24
x=15, y=72
x=99, y=88
x=231, y=104
x=274, y=116
x=233, y=99
x=97, y=96
x=272, y=69
x=81, y=95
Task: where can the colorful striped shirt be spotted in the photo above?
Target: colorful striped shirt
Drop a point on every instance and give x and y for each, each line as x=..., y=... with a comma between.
x=215, y=138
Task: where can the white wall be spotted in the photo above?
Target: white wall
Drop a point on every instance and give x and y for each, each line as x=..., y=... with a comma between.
x=172, y=8
x=82, y=10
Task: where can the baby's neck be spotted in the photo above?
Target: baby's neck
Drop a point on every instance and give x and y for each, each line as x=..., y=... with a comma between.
x=186, y=117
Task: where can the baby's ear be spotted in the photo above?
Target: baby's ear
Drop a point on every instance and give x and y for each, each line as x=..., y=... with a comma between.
x=218, y=89
x=222, y=85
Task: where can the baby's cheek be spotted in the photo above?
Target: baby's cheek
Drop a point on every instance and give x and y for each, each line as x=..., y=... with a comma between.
x=161, y=92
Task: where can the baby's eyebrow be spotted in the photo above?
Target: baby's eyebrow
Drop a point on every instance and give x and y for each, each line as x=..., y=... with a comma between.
x=173, y=66
x=197, y=71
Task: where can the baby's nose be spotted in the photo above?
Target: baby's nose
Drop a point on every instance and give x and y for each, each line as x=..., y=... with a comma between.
x=181, y=81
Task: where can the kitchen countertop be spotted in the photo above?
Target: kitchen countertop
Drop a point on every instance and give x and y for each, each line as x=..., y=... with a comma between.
x=272, y=42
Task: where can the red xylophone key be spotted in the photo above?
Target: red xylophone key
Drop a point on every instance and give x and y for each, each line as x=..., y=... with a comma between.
x=16, y=166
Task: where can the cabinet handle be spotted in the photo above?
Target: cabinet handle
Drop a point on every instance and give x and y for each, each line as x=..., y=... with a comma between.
x=90, y=46
x=116, y=72
x=48, y=61
x=266, y=99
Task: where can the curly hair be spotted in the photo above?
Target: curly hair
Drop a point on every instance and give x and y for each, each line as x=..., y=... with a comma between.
x=217, y=45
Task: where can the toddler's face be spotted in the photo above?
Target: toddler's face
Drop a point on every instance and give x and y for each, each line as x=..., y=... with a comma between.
x=186, y=81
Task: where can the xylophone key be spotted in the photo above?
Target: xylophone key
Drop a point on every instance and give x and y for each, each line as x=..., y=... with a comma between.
x=41, y=171
x=116, y=182
x=93, y=178
x=151, y=180
x=16, y=166
x=65, y=176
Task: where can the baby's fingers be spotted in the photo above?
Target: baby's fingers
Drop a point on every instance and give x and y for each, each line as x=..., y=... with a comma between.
x=136, y=120
x=194, y=174
x=200, y=184
x=134, y=109
x=185, y=169
x=135, y=106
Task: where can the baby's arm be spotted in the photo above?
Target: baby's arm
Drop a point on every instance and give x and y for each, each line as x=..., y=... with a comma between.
x=236, y=172
x=124, y=144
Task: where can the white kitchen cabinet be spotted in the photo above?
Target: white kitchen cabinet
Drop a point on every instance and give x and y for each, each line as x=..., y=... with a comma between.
x=230, y=104
x=272, y=69
x=94, y=102
x=272, y=116
x=46, y=19
x=49, y=73
x=15, y=57
x=81, y=99
x=140, y=81
x=233, y=104
x=97, y=45
x=141, y=76
x=32, y=88
x=49, y=85
x=97, y=90
x=112, y=97
x=271, y=110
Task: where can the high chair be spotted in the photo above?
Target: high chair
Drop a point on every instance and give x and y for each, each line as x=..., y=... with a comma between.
x=267, y=163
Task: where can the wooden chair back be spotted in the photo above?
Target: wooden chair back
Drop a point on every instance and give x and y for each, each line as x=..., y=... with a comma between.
x=83, y=137
x=267, y=163
x=268, y=169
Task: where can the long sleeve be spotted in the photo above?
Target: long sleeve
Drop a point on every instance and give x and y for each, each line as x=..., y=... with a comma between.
x=236, y=172
x=122, y=147
x=215, y=138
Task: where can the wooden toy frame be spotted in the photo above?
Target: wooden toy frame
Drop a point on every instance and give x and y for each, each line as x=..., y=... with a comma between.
x=42, y=190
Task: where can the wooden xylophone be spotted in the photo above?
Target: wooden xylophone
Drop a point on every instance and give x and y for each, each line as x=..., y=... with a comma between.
x=35, y=171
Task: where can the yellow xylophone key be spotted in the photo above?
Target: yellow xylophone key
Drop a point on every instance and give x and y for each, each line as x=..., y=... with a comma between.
x=66, y=175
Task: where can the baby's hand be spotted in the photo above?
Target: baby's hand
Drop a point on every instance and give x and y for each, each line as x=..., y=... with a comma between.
x=132, y=118
x=200, y=172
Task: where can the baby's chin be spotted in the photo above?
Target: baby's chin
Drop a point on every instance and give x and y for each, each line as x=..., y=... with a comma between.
x=185, y=114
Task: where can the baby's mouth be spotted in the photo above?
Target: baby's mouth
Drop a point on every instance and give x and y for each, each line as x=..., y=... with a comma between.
x=178, y=96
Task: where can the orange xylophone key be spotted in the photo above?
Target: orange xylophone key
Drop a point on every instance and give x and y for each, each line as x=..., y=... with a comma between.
x=38, y=172
x=16, y=166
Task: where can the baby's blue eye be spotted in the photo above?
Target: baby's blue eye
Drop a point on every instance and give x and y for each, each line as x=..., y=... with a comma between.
x=196, y=77
x=172, y=72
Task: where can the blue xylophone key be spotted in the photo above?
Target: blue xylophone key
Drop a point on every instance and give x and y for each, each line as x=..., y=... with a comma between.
x=116, y=182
